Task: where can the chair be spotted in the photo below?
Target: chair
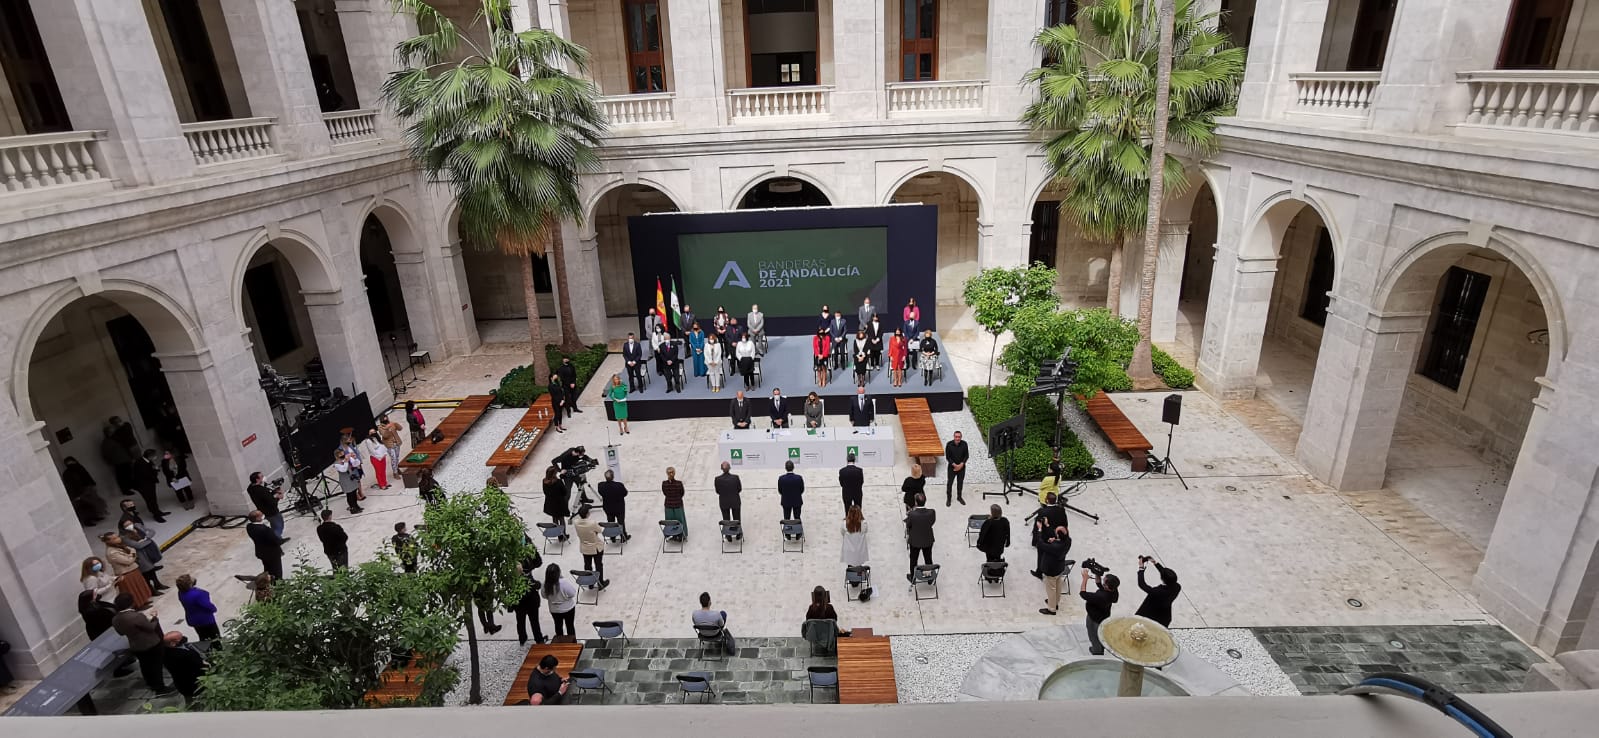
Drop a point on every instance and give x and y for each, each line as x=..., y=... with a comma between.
x=732, y=535
x=856, y=578
x=710, y=637
x=587, y=581
x=793, y=532
x=592, y=680
x=822, y=677
x=822, y=635
x=757, y=372
x=925, y=575
x=613, y=534
x=974, y=525
x=696, y=682
x=555, y=532
x=992, y=573
x=608, y=629
x=674, y=532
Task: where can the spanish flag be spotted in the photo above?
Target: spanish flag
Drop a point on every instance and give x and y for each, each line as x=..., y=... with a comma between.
x=660, y=303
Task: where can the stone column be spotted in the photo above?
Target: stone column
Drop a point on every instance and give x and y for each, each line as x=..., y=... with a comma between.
x=858, y=63
x=583, y=279
x=227, y=419
x=371, y=30
x=41, y=548
x=1011, y=54
x=1286, y=40
x=466, y=339
x=105, y=62
x=1355, y=398
x=1431, y=41
x=277, y=77
x=696, y=31
x=1235, y=324
x=347, y=344
x=420, y=296
x=1169, y=279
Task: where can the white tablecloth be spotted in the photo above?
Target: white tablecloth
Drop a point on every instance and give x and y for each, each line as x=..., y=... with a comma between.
x=812, y=448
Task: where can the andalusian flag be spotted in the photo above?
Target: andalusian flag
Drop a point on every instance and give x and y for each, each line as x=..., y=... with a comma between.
x=677, y=310
x=660, y=302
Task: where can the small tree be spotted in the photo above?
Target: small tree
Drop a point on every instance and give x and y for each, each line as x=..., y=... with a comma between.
x=473, y=545
x=321, y=641
x=1101, y=344
x=996, y=295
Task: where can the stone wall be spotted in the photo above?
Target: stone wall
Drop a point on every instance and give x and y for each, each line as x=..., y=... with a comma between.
x=957, y=235
x=616, y=250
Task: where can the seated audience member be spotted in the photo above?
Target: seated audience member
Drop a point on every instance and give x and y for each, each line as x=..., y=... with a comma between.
x=705, y=616
x=544, y=686
x=822, y=607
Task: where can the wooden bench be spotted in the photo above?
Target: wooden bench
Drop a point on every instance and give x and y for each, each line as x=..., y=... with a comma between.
x=866, y=670
x=518, y=445
x=397, y=685
x=454, y=425
x=567, y=653
x=921, y=435
x=1118, y=429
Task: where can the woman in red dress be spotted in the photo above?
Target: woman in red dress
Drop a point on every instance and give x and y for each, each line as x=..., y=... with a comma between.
x=896, y=356
x=821, y=348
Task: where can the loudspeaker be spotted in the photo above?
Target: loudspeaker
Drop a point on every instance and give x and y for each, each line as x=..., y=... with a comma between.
x=1173, y=411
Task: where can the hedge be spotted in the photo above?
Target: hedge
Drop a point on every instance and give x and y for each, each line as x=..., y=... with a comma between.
x=1032, y=459
x=1175, y=375
x=519, y=388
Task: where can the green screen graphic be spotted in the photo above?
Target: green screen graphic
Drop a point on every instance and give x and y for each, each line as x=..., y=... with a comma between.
x=787, y=273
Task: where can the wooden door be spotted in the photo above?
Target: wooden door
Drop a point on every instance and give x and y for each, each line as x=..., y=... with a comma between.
x=918, y=44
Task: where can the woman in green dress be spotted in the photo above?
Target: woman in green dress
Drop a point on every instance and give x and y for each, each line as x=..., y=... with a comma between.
x=618, y=394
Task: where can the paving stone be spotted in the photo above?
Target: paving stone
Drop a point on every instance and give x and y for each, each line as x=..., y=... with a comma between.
x=1464, y=658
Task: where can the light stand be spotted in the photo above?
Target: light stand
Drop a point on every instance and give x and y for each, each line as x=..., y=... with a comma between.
x=397, y=380
x=1165, y=465
x=1056, y=378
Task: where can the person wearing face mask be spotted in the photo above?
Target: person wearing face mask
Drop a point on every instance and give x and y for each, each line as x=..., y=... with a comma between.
x=865, y=314
x=874, y=341
x=175, y=469
x=838, y=330
x=826, y=321
x=146, y=475
x=378, y=453
x=124, y=562
x=97, y=579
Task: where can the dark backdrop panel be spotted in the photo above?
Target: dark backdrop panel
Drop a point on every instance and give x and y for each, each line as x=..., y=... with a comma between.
x=912, y=258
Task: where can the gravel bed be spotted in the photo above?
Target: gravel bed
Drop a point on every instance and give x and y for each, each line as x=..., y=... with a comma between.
x=931, y=668
x=1115, y=465
x=463, y=468
x=981, y=469
x=499, y=659
x=1256, y=670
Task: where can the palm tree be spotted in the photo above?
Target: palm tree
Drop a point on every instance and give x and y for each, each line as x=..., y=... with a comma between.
x=1097, y=100
x=509, y=128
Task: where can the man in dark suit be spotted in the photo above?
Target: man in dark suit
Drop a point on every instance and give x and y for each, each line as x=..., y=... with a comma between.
x=1053, y=545
x=864, y=314
x=672, y=362
x=268, y=546
x=740, y=410
x=956, y=453
x=613, y=500
x=1158, y=599
x=919, y=533
x=838, y=329
x=728, y=487
x=790, y=492
x=851, y=479
x=688, y=318
x=144, y=635
x=633, y=355
x=779, y=409
x=335, y=542
x=568, y=375
x=860, y=409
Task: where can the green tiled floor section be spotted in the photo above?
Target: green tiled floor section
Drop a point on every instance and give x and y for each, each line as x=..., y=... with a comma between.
x=1468, y=659
x=765, y=671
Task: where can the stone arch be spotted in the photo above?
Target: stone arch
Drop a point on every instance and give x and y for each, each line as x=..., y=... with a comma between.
x=1263, y=233
x=312, y=266
x=171, y=327
x=970, y=179
x=755, y=180
x=592, y=202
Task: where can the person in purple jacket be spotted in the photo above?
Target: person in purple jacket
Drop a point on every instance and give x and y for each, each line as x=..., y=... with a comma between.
x=198, y=610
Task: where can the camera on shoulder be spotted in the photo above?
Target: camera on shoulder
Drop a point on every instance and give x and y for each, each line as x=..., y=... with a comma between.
x=1095, y=568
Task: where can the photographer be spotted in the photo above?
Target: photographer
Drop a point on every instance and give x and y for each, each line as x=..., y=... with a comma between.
x=1158, y=599
x=265, y=498
x=1098, y=603
x=1048, y=516
x=575, y=463
x=1053, y=545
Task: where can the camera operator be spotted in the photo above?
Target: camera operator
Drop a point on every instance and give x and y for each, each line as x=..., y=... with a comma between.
x=1048, y=515
x=265, y=498
x=1158, y=599
x=1098, y=603
x=575, y=463
x=1053, y=545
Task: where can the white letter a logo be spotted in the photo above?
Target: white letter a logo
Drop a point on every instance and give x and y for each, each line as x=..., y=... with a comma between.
x=738, y=279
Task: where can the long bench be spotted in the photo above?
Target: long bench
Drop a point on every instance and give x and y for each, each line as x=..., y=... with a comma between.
x=453, y=427
x=400, y=686
x=566, y=653
x=518, y=445
x=922, y=442
x=866, y=670
x=1118, y=429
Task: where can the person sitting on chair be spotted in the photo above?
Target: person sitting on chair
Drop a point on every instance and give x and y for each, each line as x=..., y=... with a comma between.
x=779, y=410
x=706, y=617
x=994, y=537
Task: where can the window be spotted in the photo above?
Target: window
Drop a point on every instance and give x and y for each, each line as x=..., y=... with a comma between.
x=918, y=44
x=27, y=69
x=1046, y=233
x=192, y=46
x=645, y=62
x=788, y=73
x=274, y=324
x=1057, y=12
x=1320, y=283
x=1369, y=47
x=782, y=38
x=1455, y=323
x=1533, y=34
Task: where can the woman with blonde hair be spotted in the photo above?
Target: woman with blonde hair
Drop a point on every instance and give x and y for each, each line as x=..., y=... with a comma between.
x=618, y=394
x=124, y=563
x=715, y=358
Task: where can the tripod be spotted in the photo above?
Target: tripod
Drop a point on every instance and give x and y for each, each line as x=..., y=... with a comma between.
x=1164, y=465
x=309, y=497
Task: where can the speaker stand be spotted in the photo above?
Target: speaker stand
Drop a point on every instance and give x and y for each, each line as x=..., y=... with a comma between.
x=1165, y=465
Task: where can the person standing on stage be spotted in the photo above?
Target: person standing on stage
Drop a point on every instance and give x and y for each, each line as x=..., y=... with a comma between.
x=826, y=323
x=739, y=409
x=864, y=314
x=735, y=333
x=839, y=330
x=746, y=361
x=861, y=412
x=688, y=315
x=779, y=409
x=956, y=453
x=929, y=349
x=714, y=366
x=814, y=411
x=696, y=343
x=910, y=317
x=874, y=341
x=860, y=349
x=896, y=357
x=755, y=323
x=821, y=350
x=719, y=321
x=673, y=353
x=658, y=339
x=633, y=356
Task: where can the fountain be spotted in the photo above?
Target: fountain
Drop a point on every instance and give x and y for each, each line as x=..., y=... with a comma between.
x=1054, y=664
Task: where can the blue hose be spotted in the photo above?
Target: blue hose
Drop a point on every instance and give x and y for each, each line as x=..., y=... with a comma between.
x=1434, y=696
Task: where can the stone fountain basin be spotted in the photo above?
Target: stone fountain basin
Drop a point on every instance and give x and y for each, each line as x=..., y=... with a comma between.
x=1018, y=668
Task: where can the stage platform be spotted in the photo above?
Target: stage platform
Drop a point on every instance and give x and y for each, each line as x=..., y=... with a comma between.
x=787, y=365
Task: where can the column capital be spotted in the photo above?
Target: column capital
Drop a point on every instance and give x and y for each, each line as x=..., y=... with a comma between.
x=173, y=362
x=1174, y=227
x=323, y=298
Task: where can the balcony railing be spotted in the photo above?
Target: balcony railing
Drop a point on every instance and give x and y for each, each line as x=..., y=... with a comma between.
x=936, y=97
x=638, y=110
x=1542, y=101
x=350, y=126
x=223, y=141
x=1335, y=94
x=40, y=161
x=779, y=102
